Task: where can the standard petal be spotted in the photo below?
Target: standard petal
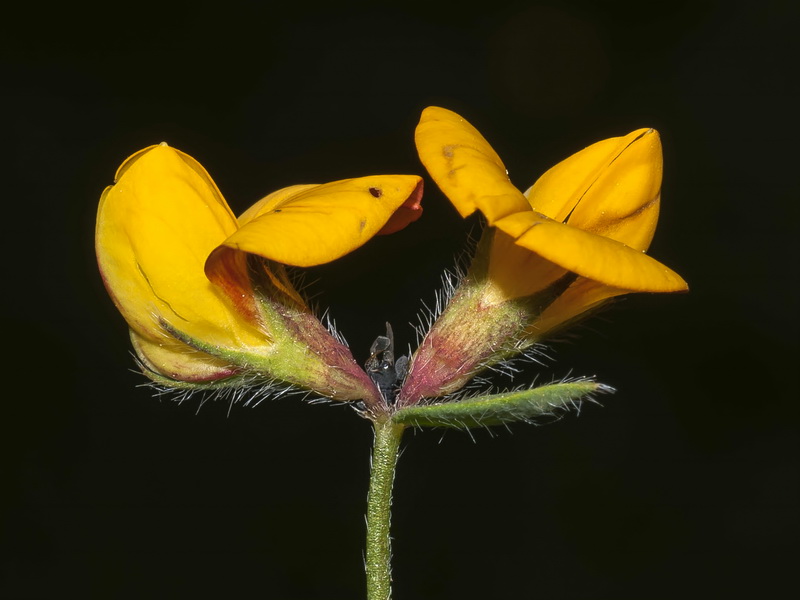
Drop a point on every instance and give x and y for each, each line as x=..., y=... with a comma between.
x=305, y=226
x=465, y=167
x=155, y=227
x=590, y=255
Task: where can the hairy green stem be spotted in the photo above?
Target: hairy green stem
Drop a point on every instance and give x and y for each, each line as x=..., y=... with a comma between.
x=379, y=501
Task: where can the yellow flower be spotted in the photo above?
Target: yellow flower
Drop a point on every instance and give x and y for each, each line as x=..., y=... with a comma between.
x=593, y=214
x=206, y=295
x=572, y=241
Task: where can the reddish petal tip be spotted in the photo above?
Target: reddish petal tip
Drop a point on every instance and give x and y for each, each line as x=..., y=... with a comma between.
x=407, y=213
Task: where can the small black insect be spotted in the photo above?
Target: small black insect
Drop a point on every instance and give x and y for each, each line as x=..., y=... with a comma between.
x=382, y=367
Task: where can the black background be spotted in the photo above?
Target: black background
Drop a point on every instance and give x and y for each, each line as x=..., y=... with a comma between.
x=683, y=484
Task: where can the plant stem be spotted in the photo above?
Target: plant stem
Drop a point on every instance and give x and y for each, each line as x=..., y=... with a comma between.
x=379, y=501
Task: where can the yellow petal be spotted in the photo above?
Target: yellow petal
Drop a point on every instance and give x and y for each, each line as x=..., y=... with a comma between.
x=178, y=361
x=560, y=188
x=155, y=227
x=310, y=225
x=465, y=167
x=272, y=201
x=515, y=272
x=589, y=255
x=584, y=294
x=623, y=202
x=611, y=188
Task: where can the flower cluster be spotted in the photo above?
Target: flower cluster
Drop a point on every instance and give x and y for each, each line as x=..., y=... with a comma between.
x=209, y=302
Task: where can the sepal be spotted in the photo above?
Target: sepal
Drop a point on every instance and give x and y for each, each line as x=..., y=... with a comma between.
x=501, y=409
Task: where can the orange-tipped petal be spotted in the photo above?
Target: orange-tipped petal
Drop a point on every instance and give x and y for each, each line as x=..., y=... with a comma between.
x=305, y=226
x=410, y=211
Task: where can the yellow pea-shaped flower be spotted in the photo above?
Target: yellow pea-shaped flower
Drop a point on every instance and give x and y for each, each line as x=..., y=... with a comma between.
x=573, y=240
x=206, y=295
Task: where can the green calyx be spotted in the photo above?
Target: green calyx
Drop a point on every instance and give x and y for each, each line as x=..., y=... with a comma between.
x=300, y=353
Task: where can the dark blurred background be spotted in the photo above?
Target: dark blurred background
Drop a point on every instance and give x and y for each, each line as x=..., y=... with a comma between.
x=682, y=484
